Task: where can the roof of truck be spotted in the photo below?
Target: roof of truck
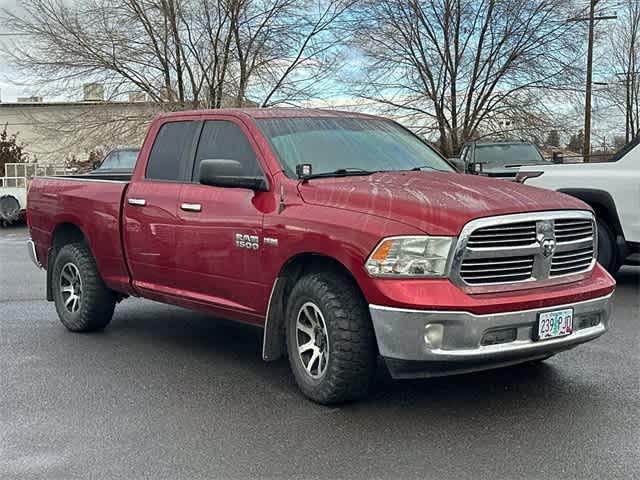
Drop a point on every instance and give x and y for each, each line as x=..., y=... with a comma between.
x=276, y=112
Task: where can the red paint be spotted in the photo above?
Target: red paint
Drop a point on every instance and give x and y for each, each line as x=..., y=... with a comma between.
x=190, y=259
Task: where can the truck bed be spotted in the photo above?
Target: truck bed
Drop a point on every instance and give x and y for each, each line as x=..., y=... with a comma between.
x=92, y=205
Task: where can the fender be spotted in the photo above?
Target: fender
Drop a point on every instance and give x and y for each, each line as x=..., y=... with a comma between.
x=603, y=199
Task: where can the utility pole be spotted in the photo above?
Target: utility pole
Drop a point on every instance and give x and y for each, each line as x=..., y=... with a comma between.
x=586, y=149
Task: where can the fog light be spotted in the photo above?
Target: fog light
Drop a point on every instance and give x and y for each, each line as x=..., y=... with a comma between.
x=433, y=333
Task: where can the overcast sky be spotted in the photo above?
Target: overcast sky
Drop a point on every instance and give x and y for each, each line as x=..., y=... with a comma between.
x=8, y=89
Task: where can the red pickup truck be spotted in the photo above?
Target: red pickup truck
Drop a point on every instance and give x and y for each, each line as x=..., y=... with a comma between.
x=344, y=236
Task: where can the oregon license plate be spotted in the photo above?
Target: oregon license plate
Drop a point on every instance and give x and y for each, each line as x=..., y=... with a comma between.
x=555, y=324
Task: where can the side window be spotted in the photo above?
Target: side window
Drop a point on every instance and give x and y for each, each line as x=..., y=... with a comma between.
x=170, y=149
x=225, y=140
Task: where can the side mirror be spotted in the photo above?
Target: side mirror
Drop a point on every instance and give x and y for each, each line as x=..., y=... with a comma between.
x=475, y=168
x=458, y=164
x=229, y=173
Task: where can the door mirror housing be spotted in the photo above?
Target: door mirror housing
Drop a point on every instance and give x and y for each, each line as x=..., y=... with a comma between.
x=229, y=173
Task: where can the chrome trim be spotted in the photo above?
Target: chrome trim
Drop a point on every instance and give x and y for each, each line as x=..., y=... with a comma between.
x=399, y=332
x=191, y=207
x=137, y=202
x=541, y=268
x=33, y=253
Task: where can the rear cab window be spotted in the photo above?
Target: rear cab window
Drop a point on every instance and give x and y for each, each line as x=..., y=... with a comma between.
x=171, y=150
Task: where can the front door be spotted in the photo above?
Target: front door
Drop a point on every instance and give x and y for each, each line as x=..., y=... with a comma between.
x=221, y=228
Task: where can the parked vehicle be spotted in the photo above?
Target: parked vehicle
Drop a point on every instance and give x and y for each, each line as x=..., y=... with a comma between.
x=14, y=185
x=611, y=188
x=119, y=161
x=499, y=159
x=343, y=235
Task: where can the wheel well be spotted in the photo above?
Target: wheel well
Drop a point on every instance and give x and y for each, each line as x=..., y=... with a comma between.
x=66, y=233
x=273, y=342
x=63, y=234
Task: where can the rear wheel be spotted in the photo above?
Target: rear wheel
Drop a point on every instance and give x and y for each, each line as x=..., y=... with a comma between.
x=82, y=300
x=607, y=251
x=330, y=339
x=9, y=208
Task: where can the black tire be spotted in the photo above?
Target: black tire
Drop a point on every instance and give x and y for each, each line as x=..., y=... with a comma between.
x=9, y=206
x=351, y=359
x=607, y=250
x=95, y=303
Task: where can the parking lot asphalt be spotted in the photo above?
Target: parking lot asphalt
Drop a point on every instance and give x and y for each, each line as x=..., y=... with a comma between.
x=167, y=393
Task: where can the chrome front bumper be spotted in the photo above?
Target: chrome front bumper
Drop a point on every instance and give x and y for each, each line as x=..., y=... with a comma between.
x=413, y=341
x=33, y=254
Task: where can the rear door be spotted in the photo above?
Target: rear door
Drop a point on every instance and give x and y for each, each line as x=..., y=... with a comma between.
x=151, y=209
x=221, y=228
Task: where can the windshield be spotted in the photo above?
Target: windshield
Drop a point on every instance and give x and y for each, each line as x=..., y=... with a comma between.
x=507, y=154
x=331, y=144
x=121, y=159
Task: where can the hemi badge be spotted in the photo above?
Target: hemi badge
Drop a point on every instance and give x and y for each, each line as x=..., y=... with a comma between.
x=271, y=241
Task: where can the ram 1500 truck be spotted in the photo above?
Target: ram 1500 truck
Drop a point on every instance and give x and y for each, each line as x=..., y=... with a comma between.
x=344, y=236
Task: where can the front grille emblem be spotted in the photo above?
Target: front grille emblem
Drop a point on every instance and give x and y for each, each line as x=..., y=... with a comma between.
x=548, y=247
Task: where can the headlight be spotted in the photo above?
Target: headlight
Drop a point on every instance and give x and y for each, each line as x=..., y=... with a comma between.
x=411, y=256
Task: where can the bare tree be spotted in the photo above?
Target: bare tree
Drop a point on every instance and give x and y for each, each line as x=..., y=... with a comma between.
x=624, y=55
x=181, y=53
x=465, y=65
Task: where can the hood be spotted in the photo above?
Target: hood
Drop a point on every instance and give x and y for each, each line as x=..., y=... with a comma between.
x=437, y=203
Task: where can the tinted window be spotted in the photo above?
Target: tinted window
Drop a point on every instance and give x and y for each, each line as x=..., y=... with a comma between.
x=170, y=150
x=330, y=144
x=225, y=140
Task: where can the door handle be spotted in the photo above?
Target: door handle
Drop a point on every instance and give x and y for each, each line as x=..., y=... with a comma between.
x=191, y=207
x=138, y=202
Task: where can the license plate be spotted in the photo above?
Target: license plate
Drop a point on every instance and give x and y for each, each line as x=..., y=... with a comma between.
x=555, y=324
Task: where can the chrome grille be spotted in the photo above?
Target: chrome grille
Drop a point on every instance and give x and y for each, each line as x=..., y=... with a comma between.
x=491, y=270
x=511, y=251
x=512, y=235
x=568, y=230
x=571, y=261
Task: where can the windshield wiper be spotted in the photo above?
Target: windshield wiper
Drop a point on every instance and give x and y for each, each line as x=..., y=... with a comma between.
x=342, y=172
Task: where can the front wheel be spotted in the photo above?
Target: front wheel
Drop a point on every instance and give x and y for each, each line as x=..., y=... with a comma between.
x=82, y=300
x=330, y=339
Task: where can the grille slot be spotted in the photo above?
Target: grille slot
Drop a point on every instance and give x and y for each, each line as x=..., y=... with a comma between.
x=572, y=261
x=510, y=235
x=496, y=270
x=569, y=230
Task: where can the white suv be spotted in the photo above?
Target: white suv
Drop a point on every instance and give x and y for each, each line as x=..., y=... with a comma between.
x=613, y=191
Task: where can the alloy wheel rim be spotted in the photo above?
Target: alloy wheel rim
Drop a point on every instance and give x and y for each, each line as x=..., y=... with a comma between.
x=71, y=287
x=312, y=340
